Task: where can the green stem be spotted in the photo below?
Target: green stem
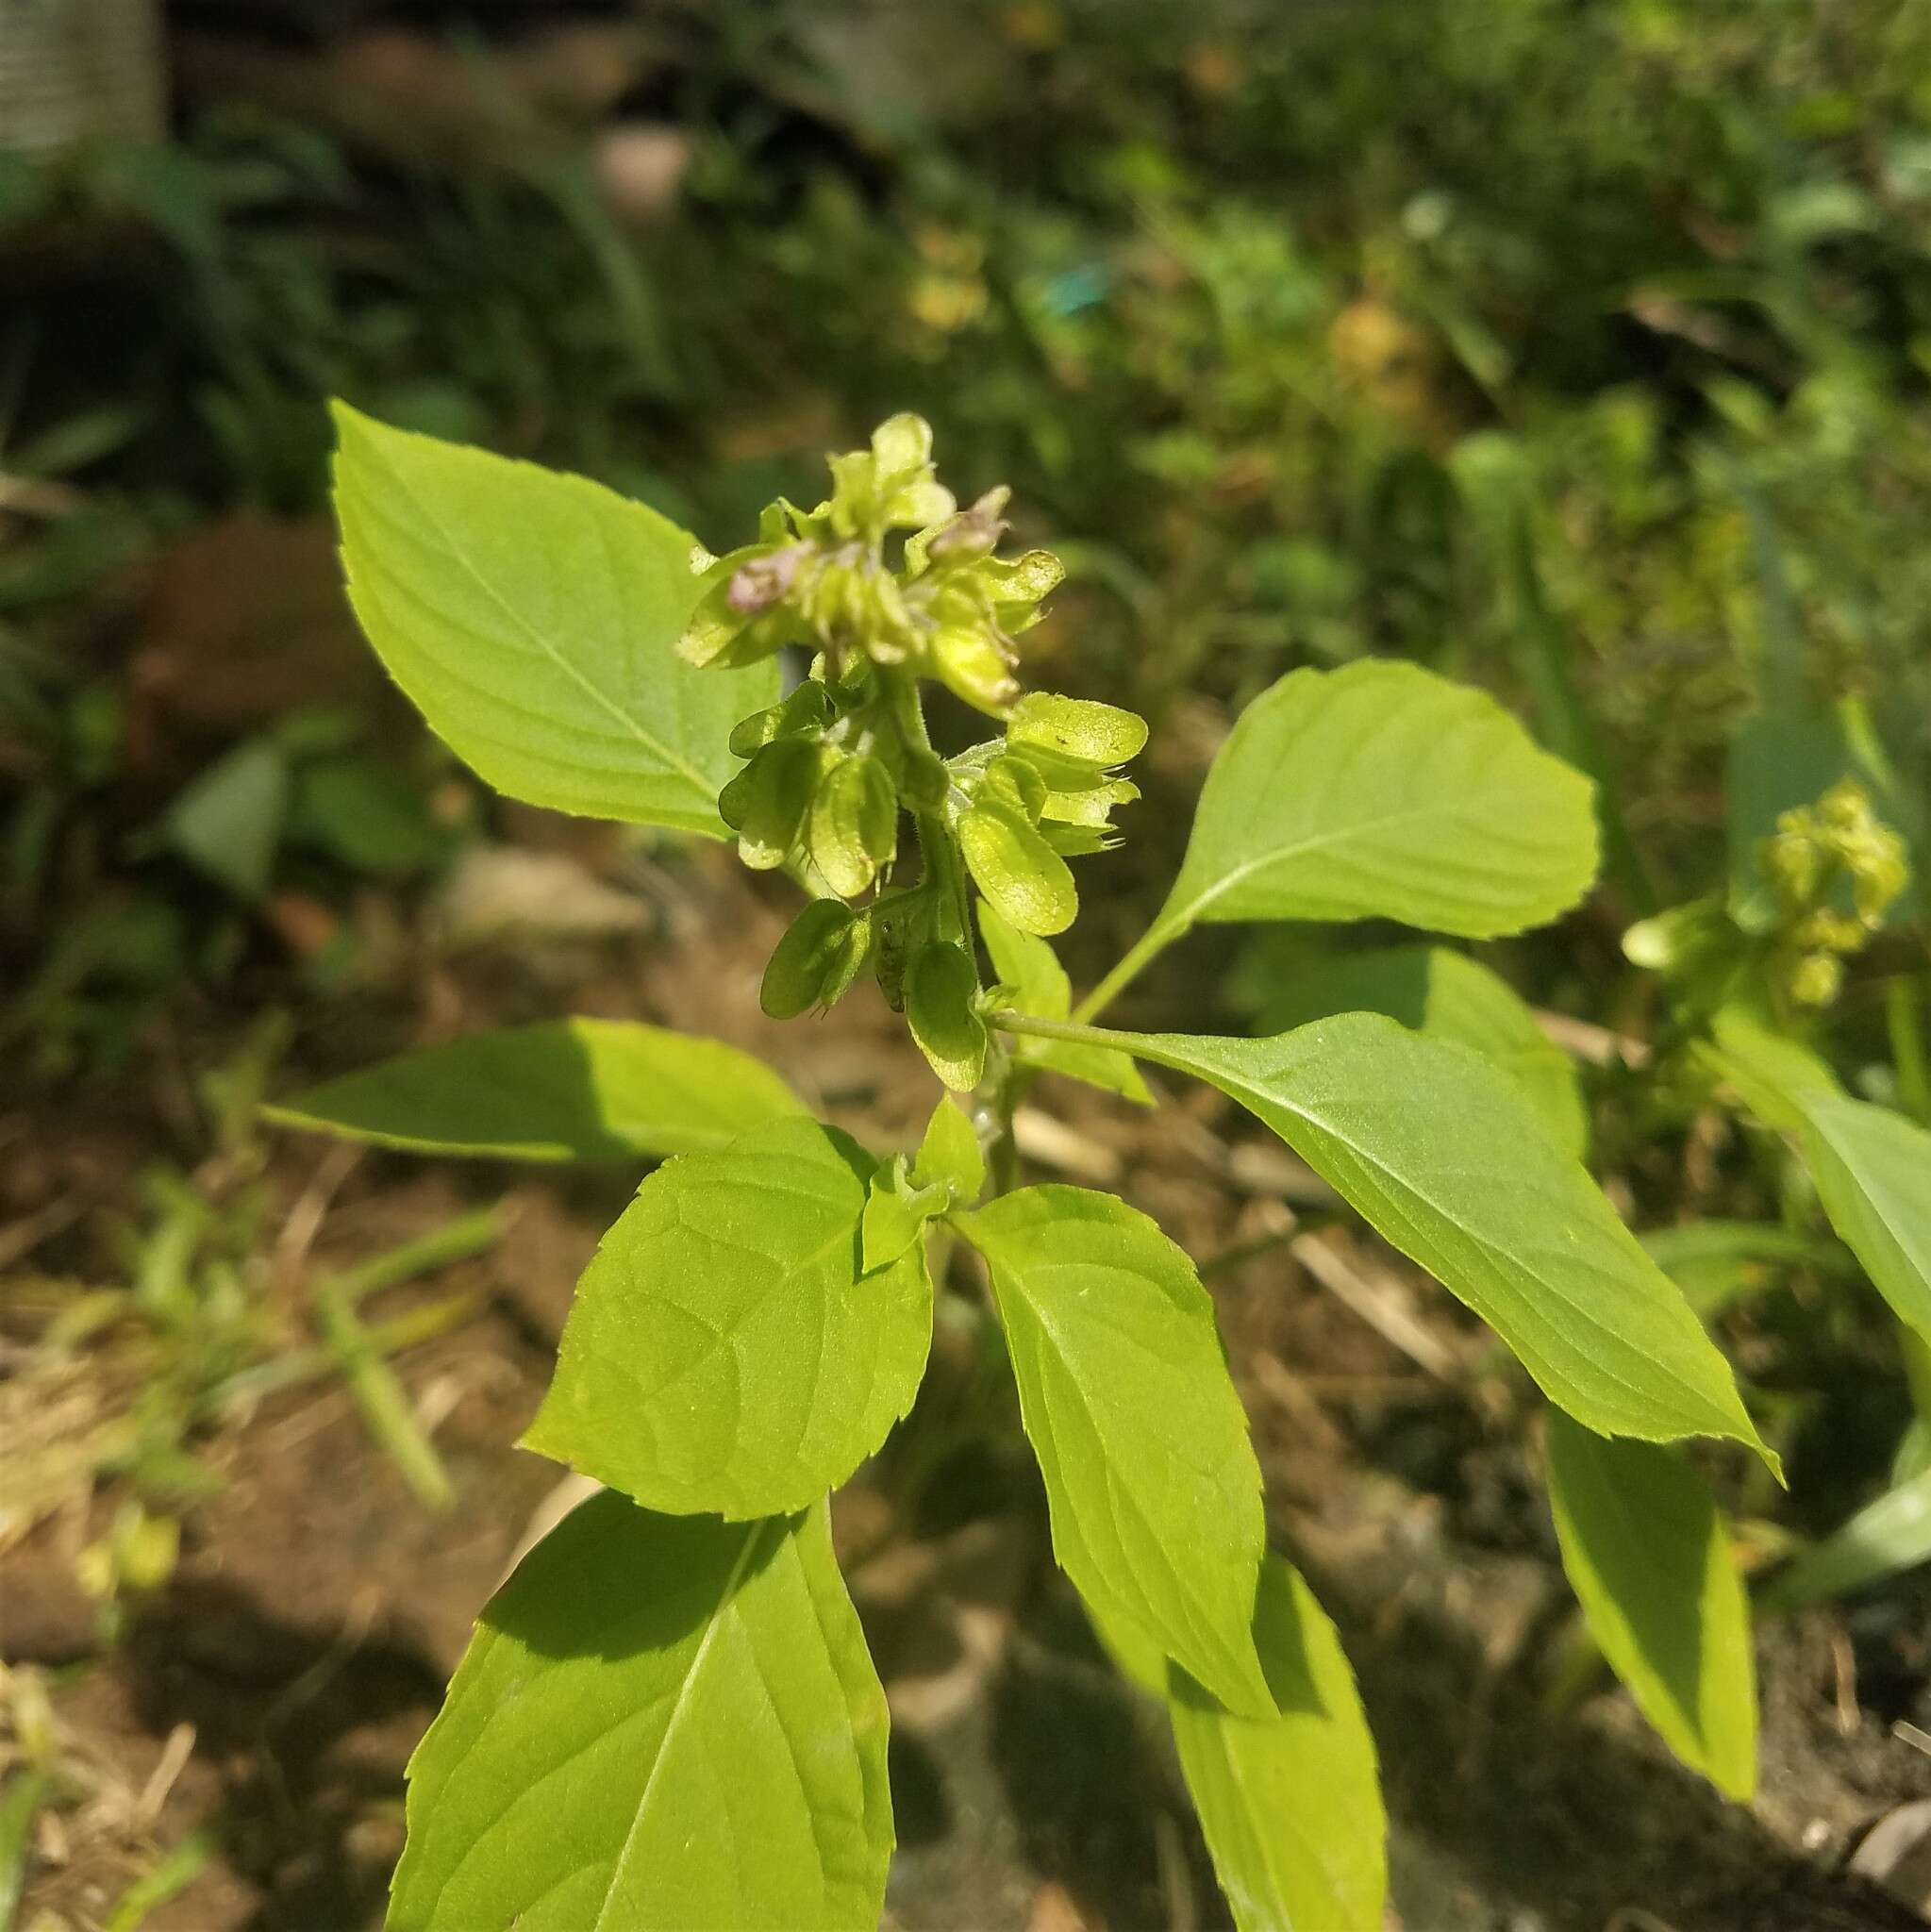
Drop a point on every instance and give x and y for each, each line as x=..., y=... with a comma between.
x=1143, y=950
x=936, y=844
x=1074, y=1030
x=1904, y=1013
x=1917, y=1359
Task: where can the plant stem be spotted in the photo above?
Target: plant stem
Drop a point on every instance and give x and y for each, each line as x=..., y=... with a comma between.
x=1904, y=1013
x=1075, y=1030
x=936, y=841
x=1152, y=942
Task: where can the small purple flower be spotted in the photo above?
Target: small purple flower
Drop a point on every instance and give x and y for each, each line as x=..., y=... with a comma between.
x=759, y=584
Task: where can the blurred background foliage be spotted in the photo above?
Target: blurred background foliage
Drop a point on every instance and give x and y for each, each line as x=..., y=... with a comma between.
x=1585, y=356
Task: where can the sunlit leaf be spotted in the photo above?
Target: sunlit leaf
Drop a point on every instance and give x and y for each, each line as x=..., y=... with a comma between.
x=533, y=618
x=950, y=1154
x=1289, y=1804
x=1151, y=1482
x=1382, y=790
x=1040, y=986
x=1448, y=1161
x=1646, y=1550
x=562, y=1089
x=661, y=1722
x=1441, y=993
x=724, y=1351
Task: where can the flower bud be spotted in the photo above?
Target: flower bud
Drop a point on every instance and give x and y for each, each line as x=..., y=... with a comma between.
x=821, y=955
x=891, y=486
x=972, y=533
x=1816, y=979
x=974, y=663
x=761, y=581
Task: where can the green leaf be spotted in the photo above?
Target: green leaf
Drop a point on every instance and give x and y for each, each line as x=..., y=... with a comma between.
x=724, y=1352
x=1448, y=996
x=19, y=1804
x=893, y=1220
x=1447, y=1160
x=366, y=815
x=1151, y=1482
x=1383, y=792
x=661, y=1722
x=1882, y=1539
x=533, y=618
x=1040, y=986
x=949, y=1154
x=562, y=1089
x=1290, y=1806
x=1717, y=1262
x=1646, y=1550
x=229, y=822
x=1873, y=1166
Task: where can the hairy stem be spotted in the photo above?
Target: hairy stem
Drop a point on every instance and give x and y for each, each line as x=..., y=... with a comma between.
x=940, y=849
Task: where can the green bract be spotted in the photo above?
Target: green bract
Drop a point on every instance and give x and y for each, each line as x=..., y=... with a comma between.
x=667, y=1719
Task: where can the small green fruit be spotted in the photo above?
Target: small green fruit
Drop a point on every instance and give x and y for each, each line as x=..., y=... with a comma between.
x=939, y=993
x=1076, y=728
x=815, y=963
x=1018, y=870
x=854, y=827
x=766, y=803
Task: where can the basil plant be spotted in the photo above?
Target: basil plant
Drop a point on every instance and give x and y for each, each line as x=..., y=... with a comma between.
x=668, y=1717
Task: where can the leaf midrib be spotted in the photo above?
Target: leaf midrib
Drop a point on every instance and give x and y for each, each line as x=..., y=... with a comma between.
x=1489, y=1246
x=670, y=756
x=1180, y=919
x=727, y=1607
